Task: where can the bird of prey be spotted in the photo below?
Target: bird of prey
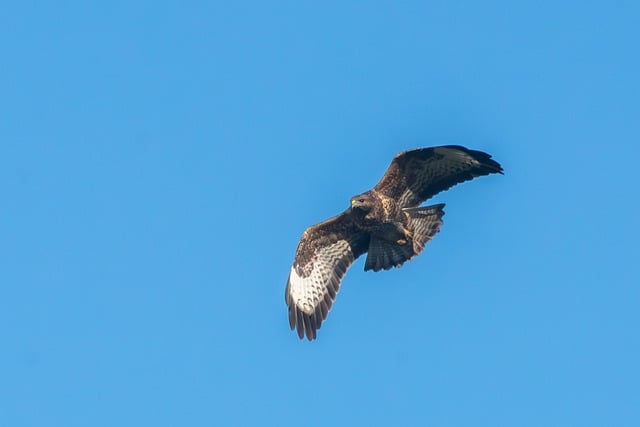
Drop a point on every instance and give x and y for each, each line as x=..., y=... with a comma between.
x=385, y=222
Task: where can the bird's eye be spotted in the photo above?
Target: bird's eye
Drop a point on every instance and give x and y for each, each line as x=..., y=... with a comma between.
x=361, y=200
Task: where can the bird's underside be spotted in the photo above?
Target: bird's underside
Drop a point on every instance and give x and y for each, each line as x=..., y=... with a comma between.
x=386, y=222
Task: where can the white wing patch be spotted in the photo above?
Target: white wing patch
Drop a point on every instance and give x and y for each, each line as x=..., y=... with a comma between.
x=328, y=249
x=307, y=292
x=310, y=298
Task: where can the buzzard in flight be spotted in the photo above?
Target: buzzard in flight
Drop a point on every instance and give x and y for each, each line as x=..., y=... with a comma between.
x=386, y=222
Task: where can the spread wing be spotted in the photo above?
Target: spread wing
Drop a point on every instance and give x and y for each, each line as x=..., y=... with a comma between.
x=324, y=254
x=417, y=175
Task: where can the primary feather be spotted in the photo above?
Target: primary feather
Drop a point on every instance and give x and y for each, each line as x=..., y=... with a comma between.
x=384, y=221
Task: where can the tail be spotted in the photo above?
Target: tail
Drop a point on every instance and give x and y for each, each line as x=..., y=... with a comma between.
x=425, y=223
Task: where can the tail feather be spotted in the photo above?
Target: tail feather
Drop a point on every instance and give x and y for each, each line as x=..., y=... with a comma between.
x=382, y=254
x=425, y=223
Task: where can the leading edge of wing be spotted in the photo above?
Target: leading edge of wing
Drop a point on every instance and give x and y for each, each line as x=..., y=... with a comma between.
x=324, y=254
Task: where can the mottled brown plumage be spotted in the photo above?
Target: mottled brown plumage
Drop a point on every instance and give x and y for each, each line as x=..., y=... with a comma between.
x=384, y=222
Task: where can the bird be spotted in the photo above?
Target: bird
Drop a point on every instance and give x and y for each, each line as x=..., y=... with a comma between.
x=386, y=222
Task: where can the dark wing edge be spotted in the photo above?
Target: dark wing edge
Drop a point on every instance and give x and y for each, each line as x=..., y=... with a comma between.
x=417, y=175
x=324, y=254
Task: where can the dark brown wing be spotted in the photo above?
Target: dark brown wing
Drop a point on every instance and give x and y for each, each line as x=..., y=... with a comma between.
x=417, y=175
x=324, y=254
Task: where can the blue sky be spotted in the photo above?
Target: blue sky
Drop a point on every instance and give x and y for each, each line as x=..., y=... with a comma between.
x=160, y=161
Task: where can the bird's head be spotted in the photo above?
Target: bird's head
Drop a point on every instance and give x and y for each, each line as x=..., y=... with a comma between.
x=362, y=202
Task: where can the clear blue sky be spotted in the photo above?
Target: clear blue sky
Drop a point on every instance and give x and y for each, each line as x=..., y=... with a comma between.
x=160, y=161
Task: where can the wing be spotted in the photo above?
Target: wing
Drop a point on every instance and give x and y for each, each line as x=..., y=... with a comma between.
x=324, y=254
x=417, y=175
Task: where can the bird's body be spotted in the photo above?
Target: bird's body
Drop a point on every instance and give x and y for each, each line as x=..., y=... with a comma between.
x=385, y=222
x=380, y=216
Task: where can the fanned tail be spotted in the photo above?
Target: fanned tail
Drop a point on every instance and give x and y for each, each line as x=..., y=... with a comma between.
x=382, y=254
x=425, y=223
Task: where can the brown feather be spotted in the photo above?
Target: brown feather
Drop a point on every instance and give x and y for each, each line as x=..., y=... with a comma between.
x=417, y=175
x=384, y=221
